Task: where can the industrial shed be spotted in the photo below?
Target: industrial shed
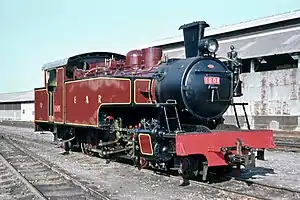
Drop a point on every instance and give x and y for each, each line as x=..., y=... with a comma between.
x=270, y=50
x=17, y=106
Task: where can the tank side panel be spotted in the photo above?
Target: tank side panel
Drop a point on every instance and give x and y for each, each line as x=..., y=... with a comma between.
x=145, y=144
x=58, y=97
x=41, y=105
x=84, y=98
x=142, y=91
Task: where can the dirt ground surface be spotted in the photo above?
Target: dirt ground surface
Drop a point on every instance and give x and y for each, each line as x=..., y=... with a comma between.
x=279, y=169
x=11, y=187
x=126, y=182
x=23, y=124
x=117, y=180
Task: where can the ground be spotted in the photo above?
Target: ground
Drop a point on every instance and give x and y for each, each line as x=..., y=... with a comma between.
x=126, y=182
x=279, y=169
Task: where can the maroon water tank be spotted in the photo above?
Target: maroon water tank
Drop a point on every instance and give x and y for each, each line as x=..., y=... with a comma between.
x=151, y=56
x=134, y=58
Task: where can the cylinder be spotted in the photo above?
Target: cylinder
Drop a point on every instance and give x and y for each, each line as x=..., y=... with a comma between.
x=151, y=56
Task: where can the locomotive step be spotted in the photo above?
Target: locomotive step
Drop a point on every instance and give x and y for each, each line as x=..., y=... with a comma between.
x=165, y=104
x=175, y=168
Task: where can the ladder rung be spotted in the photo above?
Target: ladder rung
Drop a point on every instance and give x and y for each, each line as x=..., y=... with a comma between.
x=172, y=118
x=171, y=104
x=171, y=101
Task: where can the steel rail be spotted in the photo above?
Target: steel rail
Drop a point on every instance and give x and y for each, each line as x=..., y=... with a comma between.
x=30, y=186
x=58, y=171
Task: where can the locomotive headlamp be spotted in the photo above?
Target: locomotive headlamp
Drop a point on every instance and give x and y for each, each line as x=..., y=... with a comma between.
x=210, y=44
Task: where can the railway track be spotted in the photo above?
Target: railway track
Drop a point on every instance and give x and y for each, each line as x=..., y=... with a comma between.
x=89, y=162
x=258, y=190
x=14, y=186
x=243, y=187
x=24, y=176
x=288, y=146
x=247, y=188
x=20, y=124
x=205, y=185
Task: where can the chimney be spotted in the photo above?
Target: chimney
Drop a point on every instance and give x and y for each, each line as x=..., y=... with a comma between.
x=192, y=34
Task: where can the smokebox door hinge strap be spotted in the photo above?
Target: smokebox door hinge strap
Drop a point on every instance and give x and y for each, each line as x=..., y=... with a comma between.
x=214, y=92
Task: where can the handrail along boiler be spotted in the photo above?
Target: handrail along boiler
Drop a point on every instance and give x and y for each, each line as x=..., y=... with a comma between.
x=161, y=112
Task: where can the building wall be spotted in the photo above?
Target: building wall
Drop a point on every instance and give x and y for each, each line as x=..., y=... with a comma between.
x=27, y=113
x=17, y=111
x=10, y=111
x=273, y=97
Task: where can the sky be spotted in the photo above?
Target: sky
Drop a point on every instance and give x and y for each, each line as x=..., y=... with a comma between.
x=34, y=32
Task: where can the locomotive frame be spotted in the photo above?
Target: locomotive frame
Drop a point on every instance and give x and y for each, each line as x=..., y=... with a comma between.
x=112, y=110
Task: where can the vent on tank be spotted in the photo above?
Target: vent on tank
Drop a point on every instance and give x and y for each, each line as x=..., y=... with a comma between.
x=192, y=34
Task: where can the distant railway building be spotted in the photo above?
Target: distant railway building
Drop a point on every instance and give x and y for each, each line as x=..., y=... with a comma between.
x=18, y=106
x=270, y=49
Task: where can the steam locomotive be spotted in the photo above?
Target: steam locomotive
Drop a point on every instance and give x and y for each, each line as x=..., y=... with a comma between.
x=161, y=112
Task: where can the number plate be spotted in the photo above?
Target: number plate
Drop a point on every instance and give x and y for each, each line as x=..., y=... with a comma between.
x=209, y=80
x=56, y=108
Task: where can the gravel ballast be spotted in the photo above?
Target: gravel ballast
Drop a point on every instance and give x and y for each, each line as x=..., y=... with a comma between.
x=126, y=182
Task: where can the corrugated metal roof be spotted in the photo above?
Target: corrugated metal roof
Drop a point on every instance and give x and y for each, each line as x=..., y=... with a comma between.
x=17, y=96
x=233, y=27
x=56, y=63
x=256, y=45
x=263, y=45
